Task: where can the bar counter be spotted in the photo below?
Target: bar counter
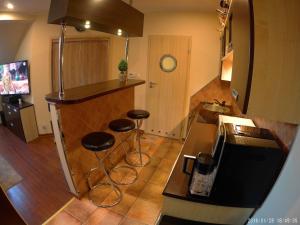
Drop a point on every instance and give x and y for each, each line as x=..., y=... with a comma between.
x=84, y=93
x=84, y=110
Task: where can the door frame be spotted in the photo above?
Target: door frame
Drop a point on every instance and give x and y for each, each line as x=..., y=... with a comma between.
x=186, y=103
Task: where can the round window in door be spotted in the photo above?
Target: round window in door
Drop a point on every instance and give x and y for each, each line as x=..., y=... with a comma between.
x=168, y=63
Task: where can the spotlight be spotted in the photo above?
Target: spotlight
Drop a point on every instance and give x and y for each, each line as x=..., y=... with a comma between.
x=10, y=6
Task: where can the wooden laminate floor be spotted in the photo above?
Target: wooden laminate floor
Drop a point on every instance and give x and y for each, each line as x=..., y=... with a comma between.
x=43, y=189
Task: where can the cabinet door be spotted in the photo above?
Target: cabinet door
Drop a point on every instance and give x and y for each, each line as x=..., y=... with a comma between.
x=275, y=90
x=13, y=119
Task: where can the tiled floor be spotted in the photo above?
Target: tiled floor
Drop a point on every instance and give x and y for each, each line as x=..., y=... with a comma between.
x=142, y=201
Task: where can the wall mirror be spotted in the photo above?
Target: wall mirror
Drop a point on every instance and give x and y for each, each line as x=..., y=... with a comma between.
x=168, y=63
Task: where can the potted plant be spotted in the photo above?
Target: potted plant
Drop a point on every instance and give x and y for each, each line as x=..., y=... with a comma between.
x=123, y=67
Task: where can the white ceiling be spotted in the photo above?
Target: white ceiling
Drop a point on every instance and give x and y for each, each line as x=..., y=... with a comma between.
x=42, y=6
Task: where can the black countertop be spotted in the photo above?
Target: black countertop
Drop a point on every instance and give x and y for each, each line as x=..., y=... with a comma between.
x=201, y=138
x=84, y=93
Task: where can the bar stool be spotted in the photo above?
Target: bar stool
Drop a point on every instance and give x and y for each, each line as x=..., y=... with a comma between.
x=122, y=126
x=139, y=116
x=99, y=142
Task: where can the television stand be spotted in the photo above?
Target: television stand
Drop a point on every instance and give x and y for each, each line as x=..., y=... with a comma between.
x=11, y=99
x=20, y=119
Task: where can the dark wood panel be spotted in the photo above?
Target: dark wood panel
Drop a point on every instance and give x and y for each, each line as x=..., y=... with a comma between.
x=105, y=15
x=242, y=44
x=43, y=189
x=84, y=93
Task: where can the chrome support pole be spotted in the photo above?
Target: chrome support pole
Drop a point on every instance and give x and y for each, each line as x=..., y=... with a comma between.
x=61, y=61
x=126, y=48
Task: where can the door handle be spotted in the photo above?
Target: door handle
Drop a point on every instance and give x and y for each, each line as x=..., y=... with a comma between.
x=152, y=84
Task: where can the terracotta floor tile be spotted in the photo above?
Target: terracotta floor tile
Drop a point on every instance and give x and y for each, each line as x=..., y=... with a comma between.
x=144, y=211
x=81, y=209
x=146, y=173
x=142, y=201
x=154, y=161
x=134, y=158
x=64, y=218
x=152, y=193
x=122, y=173
x=104, y=217
x=136, y=188
x=124, y=206
x=165, y=165
x=159, y=178
x=104, y=195
x=127, y=221
x=161, y=151
x=172, y=156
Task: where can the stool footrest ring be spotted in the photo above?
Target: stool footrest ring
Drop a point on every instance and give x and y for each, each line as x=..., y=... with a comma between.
x=114, y=202
x=138, y=155
x=115, y=169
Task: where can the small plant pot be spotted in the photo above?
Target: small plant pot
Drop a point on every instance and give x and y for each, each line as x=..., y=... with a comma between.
x=123, y=76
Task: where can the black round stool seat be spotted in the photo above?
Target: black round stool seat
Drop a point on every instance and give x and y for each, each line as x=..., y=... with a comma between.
x=98, y=141
x=122, y=125
x=138, y=114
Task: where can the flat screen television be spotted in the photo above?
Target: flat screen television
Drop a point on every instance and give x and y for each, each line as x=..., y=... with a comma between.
x=14, y=78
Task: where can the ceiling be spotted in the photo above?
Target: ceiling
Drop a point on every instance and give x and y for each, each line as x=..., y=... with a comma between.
x=42, y=6
x=27, y=6
x=175, y=5
x=9, y=43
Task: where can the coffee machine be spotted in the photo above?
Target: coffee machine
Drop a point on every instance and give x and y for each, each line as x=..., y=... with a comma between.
x=247, y=161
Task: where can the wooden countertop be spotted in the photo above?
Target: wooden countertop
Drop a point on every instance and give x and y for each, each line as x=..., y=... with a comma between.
x=84, y=93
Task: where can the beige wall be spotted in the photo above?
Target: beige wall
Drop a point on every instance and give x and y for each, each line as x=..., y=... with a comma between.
x=204, y=56
x=202, y=27
x=37, y=49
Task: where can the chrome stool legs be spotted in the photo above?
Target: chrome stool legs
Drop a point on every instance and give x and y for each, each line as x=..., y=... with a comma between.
x=110, y=184
x=138, y=155
x=115, y=169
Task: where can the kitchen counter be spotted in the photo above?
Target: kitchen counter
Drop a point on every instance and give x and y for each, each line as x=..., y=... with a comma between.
x=206, y=116
x=87, y=92
x=177, y=200
x=200, y=138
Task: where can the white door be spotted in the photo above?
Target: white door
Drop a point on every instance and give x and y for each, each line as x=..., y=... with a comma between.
x=168, y=72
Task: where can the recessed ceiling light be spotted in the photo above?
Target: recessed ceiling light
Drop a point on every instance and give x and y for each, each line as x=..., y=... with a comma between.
x=87, y=24
x=10, y=5
x=119, y=33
